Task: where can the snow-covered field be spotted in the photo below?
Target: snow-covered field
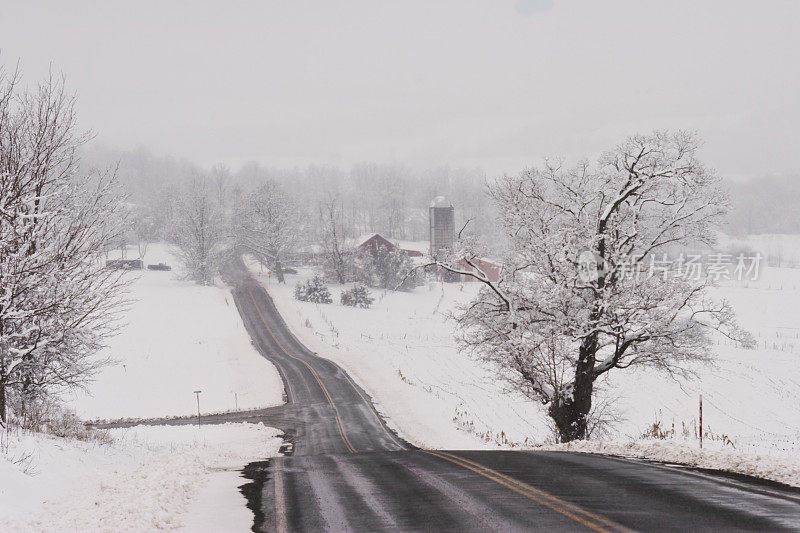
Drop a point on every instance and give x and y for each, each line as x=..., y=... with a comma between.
x=179, y=338
x=403, y=353
x=751, y=398
x=149, y=478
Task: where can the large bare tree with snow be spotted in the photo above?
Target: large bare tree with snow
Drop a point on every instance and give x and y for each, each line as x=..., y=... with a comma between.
x=58, y=303
x=198, y=230
x=270, y=223
x=579, y=297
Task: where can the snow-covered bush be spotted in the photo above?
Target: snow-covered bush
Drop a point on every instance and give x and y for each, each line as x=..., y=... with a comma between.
x=68, y=425
x=313, y=290
x=358, y=296
x=46, y=415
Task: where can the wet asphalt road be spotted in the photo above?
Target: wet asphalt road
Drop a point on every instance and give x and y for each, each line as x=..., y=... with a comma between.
x=348, y=472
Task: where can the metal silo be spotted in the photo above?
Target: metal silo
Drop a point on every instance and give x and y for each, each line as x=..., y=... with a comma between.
x=442, y=225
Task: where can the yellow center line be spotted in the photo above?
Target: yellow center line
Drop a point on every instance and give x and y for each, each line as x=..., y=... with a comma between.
x=547, y=495
x=588, y=519
x=310, y=368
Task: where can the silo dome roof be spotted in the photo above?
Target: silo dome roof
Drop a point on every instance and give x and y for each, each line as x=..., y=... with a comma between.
x=441, y=201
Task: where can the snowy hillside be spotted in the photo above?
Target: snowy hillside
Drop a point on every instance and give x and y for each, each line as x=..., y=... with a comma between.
x=179, y=337
x=751, y=398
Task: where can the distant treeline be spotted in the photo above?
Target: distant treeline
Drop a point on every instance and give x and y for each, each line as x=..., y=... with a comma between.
x=393, y=199
x=390, y=199
x=765, y=205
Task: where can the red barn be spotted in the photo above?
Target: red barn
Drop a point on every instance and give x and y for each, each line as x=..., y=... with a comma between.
x=376, y=242
x=492, y=270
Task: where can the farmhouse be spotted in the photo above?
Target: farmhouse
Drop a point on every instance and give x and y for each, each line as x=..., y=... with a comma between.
x=442, y=239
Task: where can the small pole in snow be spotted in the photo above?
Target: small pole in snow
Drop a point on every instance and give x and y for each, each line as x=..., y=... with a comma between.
x=701, y=421
x=236, y=400
x=197, y=393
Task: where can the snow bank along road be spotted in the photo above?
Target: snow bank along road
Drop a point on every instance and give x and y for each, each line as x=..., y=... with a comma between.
x=348, y=471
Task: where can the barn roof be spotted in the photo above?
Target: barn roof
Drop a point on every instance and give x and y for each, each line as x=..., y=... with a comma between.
x=376, y=240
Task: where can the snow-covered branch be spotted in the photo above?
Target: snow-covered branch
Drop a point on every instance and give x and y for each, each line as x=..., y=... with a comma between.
x=57, y=301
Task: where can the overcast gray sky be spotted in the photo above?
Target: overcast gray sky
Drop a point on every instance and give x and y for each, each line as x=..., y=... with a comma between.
x=497, y=84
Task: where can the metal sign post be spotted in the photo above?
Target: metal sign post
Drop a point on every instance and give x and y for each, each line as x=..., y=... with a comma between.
x=197, y=393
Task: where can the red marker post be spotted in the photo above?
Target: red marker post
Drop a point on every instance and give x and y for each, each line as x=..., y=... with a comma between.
x=701, y=421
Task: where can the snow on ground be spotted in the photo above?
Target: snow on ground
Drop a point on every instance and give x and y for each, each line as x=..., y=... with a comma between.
x=719, y=457
x=403, y=353
x=162, y=477
x=751, y=398
x=179, y=337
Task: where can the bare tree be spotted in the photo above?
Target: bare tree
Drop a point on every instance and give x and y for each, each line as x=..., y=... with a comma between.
x=58, y=304
x=577, y=298
x=269, y=224
x=333, y=229
x=198, y=231
x=145, y=229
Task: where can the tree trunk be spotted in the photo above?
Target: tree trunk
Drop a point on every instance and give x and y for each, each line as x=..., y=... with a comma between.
x=339, y=267
x=279, y=271
x=3, y=401
x=571, y=414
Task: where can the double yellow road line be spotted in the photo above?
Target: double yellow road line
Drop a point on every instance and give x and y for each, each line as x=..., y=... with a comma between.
x=346, y=441
x=588, y=519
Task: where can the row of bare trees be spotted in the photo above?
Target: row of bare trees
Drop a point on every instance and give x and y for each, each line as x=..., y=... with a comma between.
x=369, y=198
x=58, y=304
x=212, y=214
